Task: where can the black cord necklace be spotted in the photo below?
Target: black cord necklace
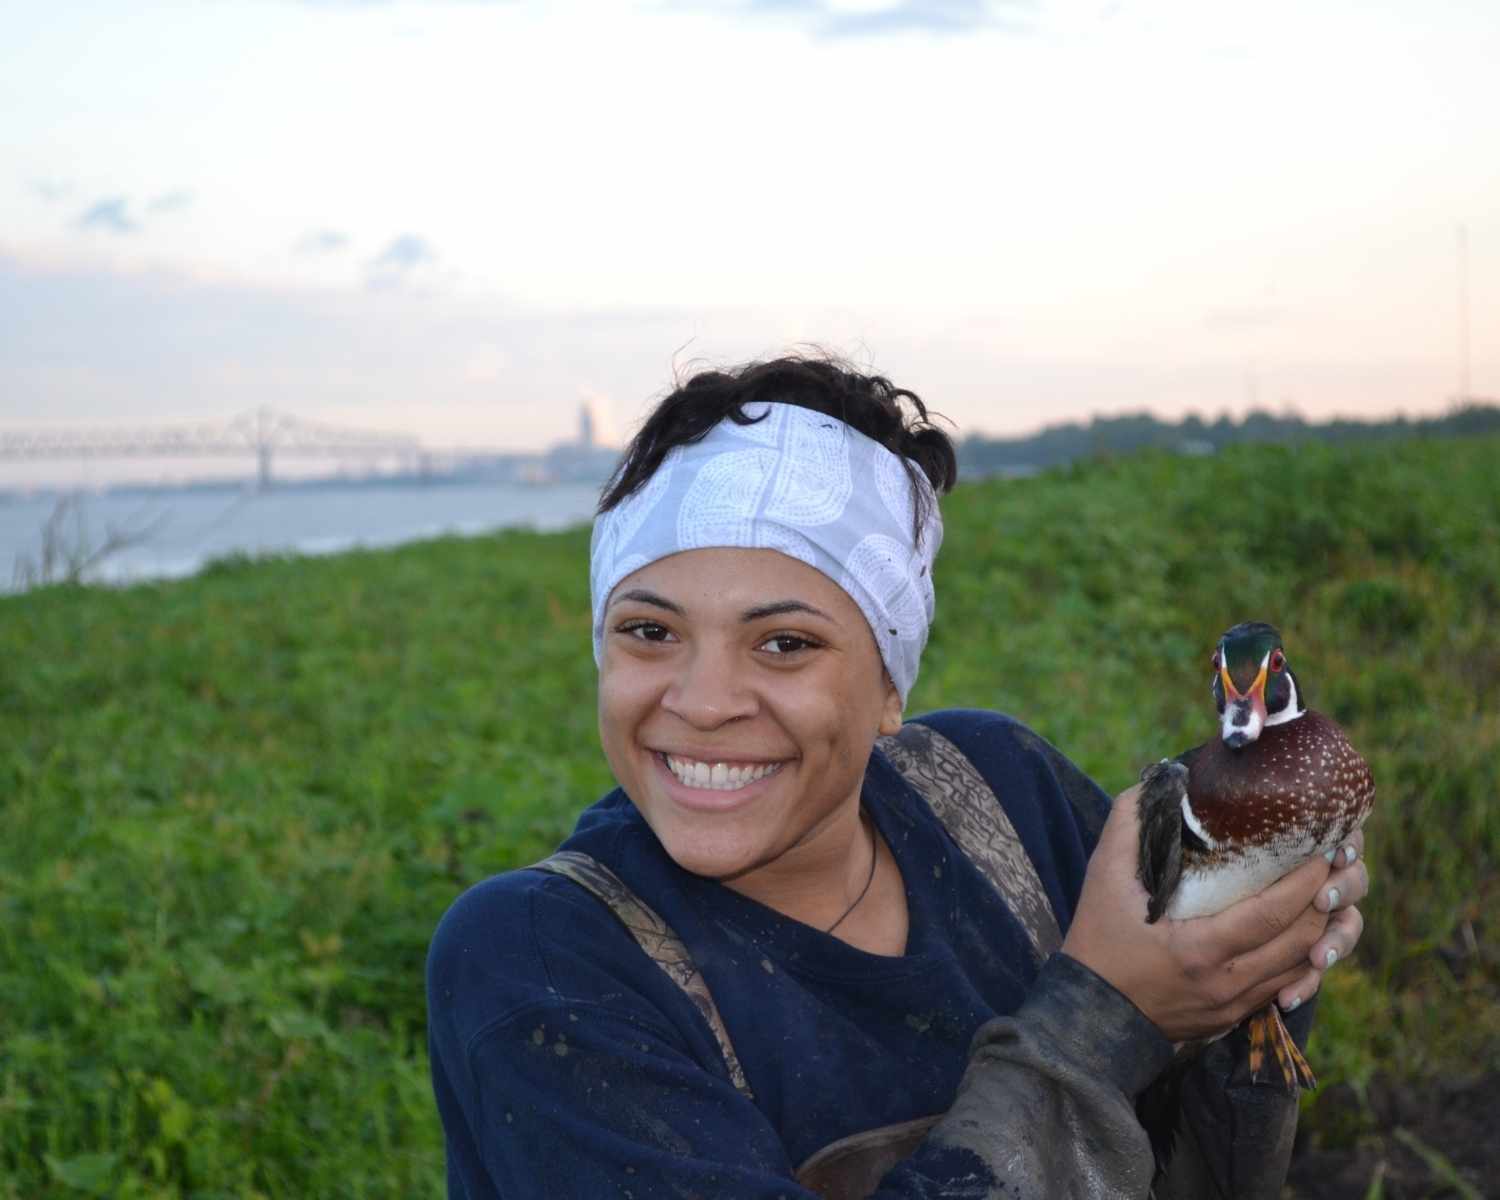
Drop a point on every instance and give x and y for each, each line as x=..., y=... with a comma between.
x=864, y=891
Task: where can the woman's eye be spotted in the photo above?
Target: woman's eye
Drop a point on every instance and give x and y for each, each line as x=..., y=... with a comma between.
x=785, y=643
x=646, y=631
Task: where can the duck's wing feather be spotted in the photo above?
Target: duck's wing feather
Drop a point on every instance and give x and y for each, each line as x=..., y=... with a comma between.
x=1163, y=789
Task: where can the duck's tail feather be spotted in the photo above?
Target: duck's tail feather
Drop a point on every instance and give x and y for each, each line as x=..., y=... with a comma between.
x=1269, y=1040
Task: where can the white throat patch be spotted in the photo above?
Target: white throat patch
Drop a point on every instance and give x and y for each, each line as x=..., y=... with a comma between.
x=1292, y=711
x=1193, y=823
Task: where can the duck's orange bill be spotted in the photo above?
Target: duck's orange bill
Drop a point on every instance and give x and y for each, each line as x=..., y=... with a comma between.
x=1257, y=689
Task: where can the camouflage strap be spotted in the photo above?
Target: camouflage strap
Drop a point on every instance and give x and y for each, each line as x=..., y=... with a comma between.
x=944, y=777
x=656, y=938
x=968, y=808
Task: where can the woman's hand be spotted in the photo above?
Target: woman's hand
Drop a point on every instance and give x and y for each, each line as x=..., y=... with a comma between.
x=1346, y=886
x=1200, y=977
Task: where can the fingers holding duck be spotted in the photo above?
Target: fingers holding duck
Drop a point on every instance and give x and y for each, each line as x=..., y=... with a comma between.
x=1347, y=884
x=1349, y=881
x=1336, y=945
x=1338, y=896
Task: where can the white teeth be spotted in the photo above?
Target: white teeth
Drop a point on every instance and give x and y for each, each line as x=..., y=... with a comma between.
x=719, y=776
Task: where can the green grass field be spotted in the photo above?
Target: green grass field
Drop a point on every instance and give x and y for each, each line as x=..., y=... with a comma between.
x=235, y=806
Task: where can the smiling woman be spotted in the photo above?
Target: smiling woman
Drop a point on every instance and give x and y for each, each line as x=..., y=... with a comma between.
x=740, y=725
x=806, y=948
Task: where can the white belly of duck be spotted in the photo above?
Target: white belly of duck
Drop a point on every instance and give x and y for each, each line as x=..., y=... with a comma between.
x=1231, y=876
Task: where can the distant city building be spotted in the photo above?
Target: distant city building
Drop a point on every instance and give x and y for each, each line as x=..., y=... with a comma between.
x=586, y=458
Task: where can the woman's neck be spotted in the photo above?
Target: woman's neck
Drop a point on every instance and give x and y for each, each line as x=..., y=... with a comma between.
x=816, y=880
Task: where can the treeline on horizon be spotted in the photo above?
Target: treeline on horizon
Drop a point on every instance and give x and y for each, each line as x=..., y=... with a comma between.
x=1105, y=436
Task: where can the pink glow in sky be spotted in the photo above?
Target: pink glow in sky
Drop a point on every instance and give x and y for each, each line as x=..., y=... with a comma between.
x=459, y=219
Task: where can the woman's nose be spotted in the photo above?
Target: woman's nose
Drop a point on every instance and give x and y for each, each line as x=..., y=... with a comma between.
x=707, y=691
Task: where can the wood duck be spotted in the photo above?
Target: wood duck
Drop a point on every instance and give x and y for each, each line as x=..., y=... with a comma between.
x=1230, y=817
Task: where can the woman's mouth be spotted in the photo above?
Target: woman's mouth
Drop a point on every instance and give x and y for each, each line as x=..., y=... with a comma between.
x=716, y=776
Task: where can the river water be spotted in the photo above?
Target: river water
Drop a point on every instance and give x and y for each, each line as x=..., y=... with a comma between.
x=183, y=530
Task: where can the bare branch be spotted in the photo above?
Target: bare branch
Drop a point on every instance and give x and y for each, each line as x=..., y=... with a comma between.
x=68, y=552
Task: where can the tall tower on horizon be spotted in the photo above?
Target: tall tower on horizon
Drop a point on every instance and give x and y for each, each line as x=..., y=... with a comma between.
x=596, y=430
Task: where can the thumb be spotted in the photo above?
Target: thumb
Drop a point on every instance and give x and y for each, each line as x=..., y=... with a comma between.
x=1118, y=848
x=1123, y=820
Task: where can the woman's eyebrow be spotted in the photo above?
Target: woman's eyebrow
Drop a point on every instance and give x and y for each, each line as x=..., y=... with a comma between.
x=641, y=596
x=778, y=607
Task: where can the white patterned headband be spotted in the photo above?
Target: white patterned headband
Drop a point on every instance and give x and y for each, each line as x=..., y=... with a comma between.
x=799, y=482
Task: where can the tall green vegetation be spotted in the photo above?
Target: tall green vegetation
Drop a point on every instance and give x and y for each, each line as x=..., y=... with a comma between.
x=235, y=806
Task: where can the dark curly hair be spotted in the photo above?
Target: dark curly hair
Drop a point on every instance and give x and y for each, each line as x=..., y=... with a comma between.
x=870, y=404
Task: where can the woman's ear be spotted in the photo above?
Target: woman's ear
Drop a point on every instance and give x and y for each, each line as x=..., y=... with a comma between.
x=890, y=712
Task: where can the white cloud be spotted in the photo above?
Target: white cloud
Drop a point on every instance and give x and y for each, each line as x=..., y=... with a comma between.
x=112, y=214
x=322, y=241
x=169, y=202
x=485, y=364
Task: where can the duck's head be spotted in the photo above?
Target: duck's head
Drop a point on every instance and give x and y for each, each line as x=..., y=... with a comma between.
x=1253, y=684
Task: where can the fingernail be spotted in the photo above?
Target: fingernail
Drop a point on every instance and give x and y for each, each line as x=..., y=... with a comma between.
x=1331, y=957
x=1350, y=854
x=1333, y=898
x=1292, y=1004
x=1328, y=854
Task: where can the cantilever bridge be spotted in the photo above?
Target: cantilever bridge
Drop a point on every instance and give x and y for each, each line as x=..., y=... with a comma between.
x=262, y=433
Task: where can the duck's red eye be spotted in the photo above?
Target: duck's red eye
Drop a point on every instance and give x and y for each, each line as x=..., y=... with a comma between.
x=1278, y=660
x=1218, y=662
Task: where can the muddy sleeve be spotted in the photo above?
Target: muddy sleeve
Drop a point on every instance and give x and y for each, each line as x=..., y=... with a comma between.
x=1047, y=1105
x=1234, y=1138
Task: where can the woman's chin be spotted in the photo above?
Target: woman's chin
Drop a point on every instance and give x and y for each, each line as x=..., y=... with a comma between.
x=709, y=857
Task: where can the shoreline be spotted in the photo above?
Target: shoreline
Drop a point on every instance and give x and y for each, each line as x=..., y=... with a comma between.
x=188, y=531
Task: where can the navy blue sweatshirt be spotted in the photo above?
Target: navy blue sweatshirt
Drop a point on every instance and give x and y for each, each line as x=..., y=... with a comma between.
x=567, y=1064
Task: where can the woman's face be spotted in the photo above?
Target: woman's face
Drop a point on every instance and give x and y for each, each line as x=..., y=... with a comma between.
x=740, y=693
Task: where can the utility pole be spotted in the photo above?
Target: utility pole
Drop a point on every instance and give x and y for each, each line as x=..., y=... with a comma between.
x=1463, y=314
x=264, y=420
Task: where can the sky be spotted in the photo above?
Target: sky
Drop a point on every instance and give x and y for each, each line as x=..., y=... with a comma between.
x=462, y=220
